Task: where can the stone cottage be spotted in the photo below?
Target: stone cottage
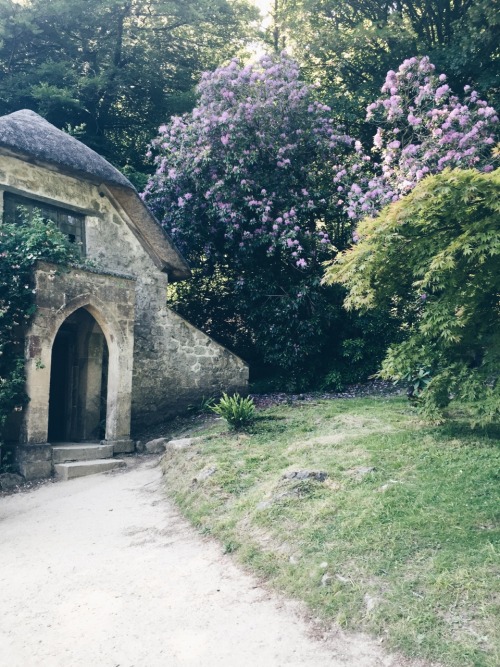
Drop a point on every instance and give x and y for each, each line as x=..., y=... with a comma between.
x=104, y=353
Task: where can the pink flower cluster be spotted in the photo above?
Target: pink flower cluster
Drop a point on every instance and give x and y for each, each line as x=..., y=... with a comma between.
x=246, y=168
x=423, y=129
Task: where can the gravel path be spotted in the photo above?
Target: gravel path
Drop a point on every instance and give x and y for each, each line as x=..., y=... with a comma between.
x=103, y=572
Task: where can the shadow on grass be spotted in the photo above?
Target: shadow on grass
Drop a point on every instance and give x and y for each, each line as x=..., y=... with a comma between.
x=268, y=424
x=461, y=429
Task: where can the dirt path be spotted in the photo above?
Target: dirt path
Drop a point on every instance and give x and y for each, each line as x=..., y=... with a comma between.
x=103, y=572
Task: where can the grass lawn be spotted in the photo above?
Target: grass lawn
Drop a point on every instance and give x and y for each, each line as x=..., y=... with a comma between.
x=401, y=539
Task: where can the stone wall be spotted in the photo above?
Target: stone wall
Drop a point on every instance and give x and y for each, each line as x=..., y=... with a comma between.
x=176, y=365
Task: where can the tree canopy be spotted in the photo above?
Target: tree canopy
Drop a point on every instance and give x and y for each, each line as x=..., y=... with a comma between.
x=347, y=47
x=113, y=70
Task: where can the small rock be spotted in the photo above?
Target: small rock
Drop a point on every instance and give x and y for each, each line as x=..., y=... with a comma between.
x=9, y=481
x=360, y=472
x=182, y=443
x=205, y=474
x=156, y=446
x=323, y=565
x=325, y=579
x=264, y=505
x=317, y=475
x=370, y=602
x=140, y=447
x=384, y=487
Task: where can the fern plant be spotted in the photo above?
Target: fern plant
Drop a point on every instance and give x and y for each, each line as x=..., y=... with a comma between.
x=238, y=411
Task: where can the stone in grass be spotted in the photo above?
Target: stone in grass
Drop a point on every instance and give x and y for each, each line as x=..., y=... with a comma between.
x=316, y=475
x=325, y=579
x=370, y=602
x=160, y=445
x=205, y=474
x=156, y=446
x=361, y=471
x=183, y=443
x=264, y=504
x=9, y=481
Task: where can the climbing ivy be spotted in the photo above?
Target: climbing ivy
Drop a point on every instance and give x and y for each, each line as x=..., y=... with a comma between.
x=21, y=246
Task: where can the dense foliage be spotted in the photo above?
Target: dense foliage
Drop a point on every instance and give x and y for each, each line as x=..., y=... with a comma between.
x=432, y=260
x=259, y=187
x=113, y=70
x=348, y=45
x=262, y=183
x=21, y=245
x=244, y=185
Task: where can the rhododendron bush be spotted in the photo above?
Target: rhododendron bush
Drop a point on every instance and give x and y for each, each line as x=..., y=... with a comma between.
x=423, y=128
x=250, y=168
x=258, y=187
x=244, y=186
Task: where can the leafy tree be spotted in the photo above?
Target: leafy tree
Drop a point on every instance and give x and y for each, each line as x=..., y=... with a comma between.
x=432, y=260
x=113, y=70
x=244, y=185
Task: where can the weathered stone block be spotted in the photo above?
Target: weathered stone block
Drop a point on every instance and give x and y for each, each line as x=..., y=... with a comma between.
x=34, y=461
x=156, y=446
x=121, y=446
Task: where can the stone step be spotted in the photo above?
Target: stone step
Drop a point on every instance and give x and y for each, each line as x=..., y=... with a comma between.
x=81, y=452
x=82, y=468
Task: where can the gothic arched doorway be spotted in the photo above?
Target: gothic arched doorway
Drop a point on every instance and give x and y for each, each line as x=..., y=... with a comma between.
x=78, y=380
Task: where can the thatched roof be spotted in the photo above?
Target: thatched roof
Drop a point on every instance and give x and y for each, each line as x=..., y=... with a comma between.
x=30, y=136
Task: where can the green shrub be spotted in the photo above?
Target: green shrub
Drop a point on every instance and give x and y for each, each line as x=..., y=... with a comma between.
x=238, y=411
x=203, y=407
x=432, y=261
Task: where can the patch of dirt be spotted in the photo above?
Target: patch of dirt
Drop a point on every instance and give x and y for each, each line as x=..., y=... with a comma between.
x=361, y=390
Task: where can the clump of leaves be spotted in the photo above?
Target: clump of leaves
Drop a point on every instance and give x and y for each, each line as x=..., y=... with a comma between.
x=204, y=406
x=238, y=411
x=433, y=261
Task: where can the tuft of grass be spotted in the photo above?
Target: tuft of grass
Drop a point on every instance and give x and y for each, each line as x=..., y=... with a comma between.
x=401, y=540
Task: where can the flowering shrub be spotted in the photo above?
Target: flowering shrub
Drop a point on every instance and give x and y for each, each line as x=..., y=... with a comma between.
x=243, y=184
x=249, y=167
x=423, y=129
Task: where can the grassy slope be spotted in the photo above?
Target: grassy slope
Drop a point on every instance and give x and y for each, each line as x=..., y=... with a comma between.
x=409, y=551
